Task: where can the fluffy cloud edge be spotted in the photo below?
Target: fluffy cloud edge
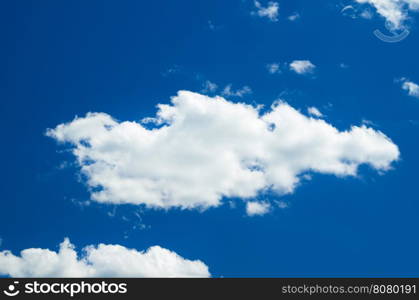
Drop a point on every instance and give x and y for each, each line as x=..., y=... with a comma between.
x=314, y=111
x=99, y=261
x=270, y=11
x=411, y=87
x=302, y=67
x=396, y=12
x=255, y=208
x=207, y=148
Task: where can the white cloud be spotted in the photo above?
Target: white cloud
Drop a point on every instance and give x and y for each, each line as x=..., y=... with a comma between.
x=209, y=87
x=99, y=261
x=366, y=14
x=394, y=11
x=349, y=11
x=411, y=87
x=203, y=149
x=314, y=111
x=356, y=12
x=254, y=208
x=271, y=11
x=302, y=66
x=229, y=92
x=294, y=17
x=273, y=68
x=282, y=204
x=369, y=123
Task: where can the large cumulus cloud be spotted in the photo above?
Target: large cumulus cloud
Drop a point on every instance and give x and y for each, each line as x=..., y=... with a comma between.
x=198, y=149
x=99, y=261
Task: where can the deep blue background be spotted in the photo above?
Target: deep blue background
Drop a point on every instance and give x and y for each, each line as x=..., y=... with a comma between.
x=59, y=59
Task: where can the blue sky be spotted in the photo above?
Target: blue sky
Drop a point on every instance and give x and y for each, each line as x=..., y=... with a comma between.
x=62, y=59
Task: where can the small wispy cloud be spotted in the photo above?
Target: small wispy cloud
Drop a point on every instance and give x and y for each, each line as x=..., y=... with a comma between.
x=369, y=123
x=229, y=92
x=271, y=11
x=302, y=66
x=314, y=111
x=255, y=208
x=294, y=17
x=209, y=87
x=366, y=14
x=282, y=204
x=411, y=87
x=273, y=68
